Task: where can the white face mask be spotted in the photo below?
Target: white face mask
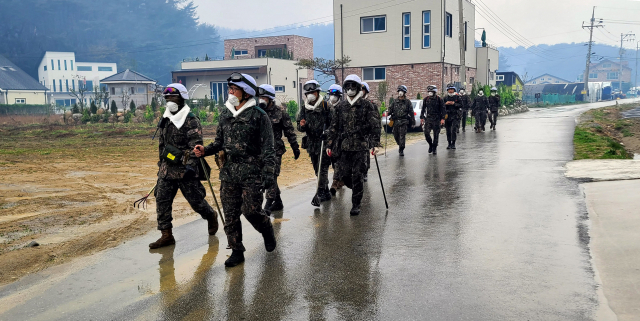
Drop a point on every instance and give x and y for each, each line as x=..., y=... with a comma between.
x=333, y=99
x=172, y=107
x=401, y=94
x=311, y=97
x=461, y=92
x=262, y=102
x=493, y=94
x=351, y=92
x=480, y=94
x=451, y=94
x=430, y=93
x=234, y=101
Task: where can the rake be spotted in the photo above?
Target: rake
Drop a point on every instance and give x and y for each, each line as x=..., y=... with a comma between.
x=143, y=201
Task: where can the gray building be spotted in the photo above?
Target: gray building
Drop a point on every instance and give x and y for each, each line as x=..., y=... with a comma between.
x=127, y=86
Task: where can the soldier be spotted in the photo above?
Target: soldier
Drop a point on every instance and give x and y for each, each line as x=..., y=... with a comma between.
x=402, y=115
x=245, y=135
x=178, y=166
x=335, y=97
x=466, y=103
x=352, y=122
x=314, y=119
x=376, y=110
x=281, y=122
x=432, y=117
x=479, y=109
x=494, y=107
x=453, y=104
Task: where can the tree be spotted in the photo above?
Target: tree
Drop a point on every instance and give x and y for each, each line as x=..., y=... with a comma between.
x=114, y=108
x=132, y=106
x=101, y=95
x=381, y=93
x=325, y=66
x=75, y=109
x=80, y=94
x=154, y=104
x=93, y=109
x=125, y=99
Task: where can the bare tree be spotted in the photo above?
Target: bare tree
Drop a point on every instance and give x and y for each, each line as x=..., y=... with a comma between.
x=381, y=94
x=325, y=66
x=126, y=97
x=100, y=95
x=81, y=93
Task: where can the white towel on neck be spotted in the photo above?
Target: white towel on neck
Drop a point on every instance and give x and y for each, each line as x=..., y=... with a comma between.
x=179, y=118
x=250, y=103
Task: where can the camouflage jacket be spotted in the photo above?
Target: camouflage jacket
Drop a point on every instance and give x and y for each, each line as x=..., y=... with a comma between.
x=317, y=121
x=185, y=139
x=432, y=108
x=494, y=103
x=453, y=110
x=480, y=104
x=376, y=112
x=247, y=141
x=354, y=127
x=401, y=112
x=281, y=123
x=466, y=102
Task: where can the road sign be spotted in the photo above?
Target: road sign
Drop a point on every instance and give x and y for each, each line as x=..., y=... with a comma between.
x=584, y=92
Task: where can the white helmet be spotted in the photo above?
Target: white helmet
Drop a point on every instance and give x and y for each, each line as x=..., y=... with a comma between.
x=267, y=91
x=311, y=86
x=179, y=87
x=366, y=86
x=245, y=82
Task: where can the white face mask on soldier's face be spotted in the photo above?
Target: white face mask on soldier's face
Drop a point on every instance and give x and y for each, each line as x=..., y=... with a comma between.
x=333, y=99
x=234, y=101
x=461, y=92
x=172, y=107
x=351, y=92
x=400, y=93
x=430, y=93
x=262, y=102
x=493, y=94
x=311, y=97
x=480, y=94
x=451, y=94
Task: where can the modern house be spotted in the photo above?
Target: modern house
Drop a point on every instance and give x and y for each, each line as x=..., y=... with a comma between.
x=127, y=86
x=412, y=43
x=17, y=87
x=487, y=61
x=609, y=71
x=510, y=79
x=547, y=79
x=270, y=60
x=62, y=74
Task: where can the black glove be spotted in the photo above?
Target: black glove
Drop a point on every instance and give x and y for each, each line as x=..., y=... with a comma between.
x=267, y=182
x=296, y=153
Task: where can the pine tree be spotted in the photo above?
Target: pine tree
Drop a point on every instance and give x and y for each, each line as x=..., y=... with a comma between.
x=93, y=108
x=114, y=108
x=154, y=104
x=132, y=107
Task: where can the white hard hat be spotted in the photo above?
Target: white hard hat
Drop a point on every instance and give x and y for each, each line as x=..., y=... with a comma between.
x=267, y=90
x=181, y=88
x=244, y=81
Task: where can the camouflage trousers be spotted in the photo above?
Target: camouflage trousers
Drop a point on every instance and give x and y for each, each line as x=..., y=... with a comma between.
x=451, y=125
x=432, y=124
x=463, y=118
x=193, y=192
x=400, y=133
x=493, y=118
x=324, y=170
x=274, y=191
x=481, y=119
x=244, y=198
x=353, y=165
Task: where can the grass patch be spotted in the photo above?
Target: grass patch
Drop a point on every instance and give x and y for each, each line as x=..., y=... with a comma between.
x=590, y=145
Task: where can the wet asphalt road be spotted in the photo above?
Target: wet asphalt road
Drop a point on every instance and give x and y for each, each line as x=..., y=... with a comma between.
x=491, y=231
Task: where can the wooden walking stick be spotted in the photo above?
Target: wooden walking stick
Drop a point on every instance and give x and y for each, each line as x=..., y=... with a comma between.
x=381, y=185
x=211, y=187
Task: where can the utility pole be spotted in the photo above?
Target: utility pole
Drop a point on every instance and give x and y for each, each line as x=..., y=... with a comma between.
x=463, y=35
x=586, y=70
x=635, y=81
x=623, y=37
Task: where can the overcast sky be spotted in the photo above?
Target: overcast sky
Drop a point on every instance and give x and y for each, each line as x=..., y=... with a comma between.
x=534, y=21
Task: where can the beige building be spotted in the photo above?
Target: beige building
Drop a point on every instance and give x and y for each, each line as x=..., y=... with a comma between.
x=488, y=63
x=17, y=87
x=412, y=43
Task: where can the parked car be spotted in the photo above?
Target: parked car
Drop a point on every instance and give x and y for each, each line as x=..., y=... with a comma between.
x=617, y=94
x=417, y=108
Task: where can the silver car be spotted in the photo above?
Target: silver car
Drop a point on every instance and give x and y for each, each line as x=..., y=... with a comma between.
x=417, y=108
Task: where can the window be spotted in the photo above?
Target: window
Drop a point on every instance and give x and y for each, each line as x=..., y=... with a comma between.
x=262, y=53
x=113, y=90
x=21, y=101
x=557, y=82
x=465, y=36
x=606, y=65
x=294, y=84
x=105, y=69
x=446, y=70
x=373, y=24
x=593, y=75
x=406, y=31
x=141, y=90
x=88, y=84
x=71, y=64
x=534, y=82
x=242, y=52
x=85, y=68
x=60, y=83
x=279, y=89
x=67, y=83
x=45, y=67
x=52, y=65
x=426, y=29
x=59, y=65
x=379, y=73
x=448, y=27
x=219, y=91
x=54, y=85
x=65, y=65
x=73, y=84
x=612, y=75
x=132, y=90
x=500, y=78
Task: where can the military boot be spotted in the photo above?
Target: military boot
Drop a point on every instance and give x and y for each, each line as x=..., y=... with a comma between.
x=277, y=204
x=453, y=145
x=324, y=194
x=269, y=238
x=355, y=210
x=212, y=224
x=334, y=187
x=165, y=240
x=402, y=152
x=435, y=150
x=236, y=258
x=268, y=206
x=449, y=146
x=430, y=148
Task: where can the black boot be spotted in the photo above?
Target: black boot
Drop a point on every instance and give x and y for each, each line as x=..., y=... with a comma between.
x=236, y=258
x=324, y=194
x=268, y=205
x=463, y=130
x=449, y=146
x=269, y=238
x=435, y=150
x=402, y=152
x=453, y=145
x=355, y=210
x=277, y=204
x=430, y=148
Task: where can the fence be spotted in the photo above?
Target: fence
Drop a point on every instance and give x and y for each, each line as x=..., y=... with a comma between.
x=25, y=109
x=550, y=99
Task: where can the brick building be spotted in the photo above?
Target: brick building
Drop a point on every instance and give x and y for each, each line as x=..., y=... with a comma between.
x=247, y=48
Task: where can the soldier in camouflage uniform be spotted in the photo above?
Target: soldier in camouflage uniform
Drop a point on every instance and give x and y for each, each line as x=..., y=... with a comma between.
x=453, y=104
x=335, y=97
x=466, y=103
x=180, y=133
x=402, y=115
x=352, y=122
x=281, y=122
x=245, y=135
x=376, y=110
x=432, y=117
x=313, y=120
x=494, y=107
x=479, y=109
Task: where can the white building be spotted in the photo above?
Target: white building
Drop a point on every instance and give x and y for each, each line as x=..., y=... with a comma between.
x=62, y=74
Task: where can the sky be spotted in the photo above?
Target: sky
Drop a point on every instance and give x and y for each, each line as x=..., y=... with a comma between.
x=509, y=23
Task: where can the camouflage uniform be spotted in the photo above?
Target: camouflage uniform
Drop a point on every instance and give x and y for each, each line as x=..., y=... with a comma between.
x=185, y=176
x=372, y=143
x=401, y=112
x=479, y=109
x=350, y=127
x=281, y=124
x=433, y=113
x=494, y=107
x=466, y=103
x=250, y=159
x=452, y=118
x=337, y=183
x=317, y=121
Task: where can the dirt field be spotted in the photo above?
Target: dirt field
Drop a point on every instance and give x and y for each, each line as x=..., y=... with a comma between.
x=71, y=190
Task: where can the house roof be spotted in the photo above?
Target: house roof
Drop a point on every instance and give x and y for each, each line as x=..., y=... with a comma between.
x=625, y=64
x=14, y=78
x=549, y=75
x=127, y=76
